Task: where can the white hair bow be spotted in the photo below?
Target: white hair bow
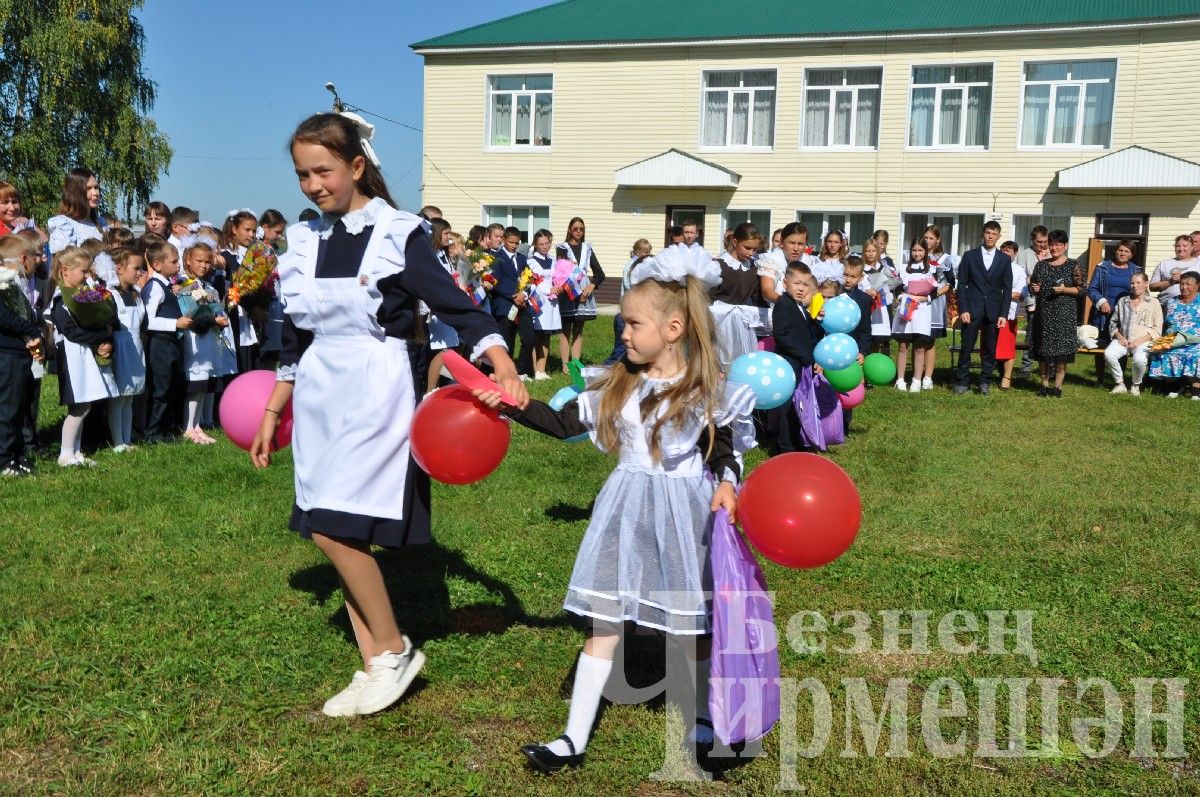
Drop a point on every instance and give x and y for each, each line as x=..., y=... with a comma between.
x=366, y=133
x=677, y=263
x=236, y=211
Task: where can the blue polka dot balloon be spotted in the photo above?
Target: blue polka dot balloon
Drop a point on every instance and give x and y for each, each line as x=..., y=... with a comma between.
x=836, y=352
x=561, y=399
x=768, y=375
x=842, y=314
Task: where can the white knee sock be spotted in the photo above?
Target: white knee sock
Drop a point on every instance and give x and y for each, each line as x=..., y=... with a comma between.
x=193, y=409
x=590, y=677
x=72, y=432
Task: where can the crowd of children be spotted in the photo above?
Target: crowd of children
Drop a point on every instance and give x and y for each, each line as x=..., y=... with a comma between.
x=143, y=332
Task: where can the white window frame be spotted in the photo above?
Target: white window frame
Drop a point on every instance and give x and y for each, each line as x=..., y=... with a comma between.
x=854, y=110
x=1054, y=84
x=726, y=222
x=937, y=108
x=727, y=147
x=489, y=95
x=852, y=238
x=485, y=218
x=906, y=237
x=1039, y=214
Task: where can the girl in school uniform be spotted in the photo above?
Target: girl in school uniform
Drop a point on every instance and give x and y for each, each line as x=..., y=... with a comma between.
x=129, y=358
x=946, y=264
x=577, y=312
x=81, y=380
x=441, y=335
x=678, y=430
x=208, y=352
x=549, y=319
x=236, y=236
x=879, y=282
x=881, y=238
x=831, y=262
x=78, y=219
x=912, y=325
x=351, y=281
x=737, y=304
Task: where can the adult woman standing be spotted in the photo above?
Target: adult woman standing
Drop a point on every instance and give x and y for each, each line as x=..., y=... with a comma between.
x=1183, y=318
x=78, y=217
x=1109, y=283
x=1057, y=283
x=577, y=312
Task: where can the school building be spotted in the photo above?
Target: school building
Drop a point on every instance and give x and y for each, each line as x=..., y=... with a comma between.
x=864, y=114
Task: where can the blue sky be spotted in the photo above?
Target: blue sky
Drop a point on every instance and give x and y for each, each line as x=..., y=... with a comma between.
x=234, y=79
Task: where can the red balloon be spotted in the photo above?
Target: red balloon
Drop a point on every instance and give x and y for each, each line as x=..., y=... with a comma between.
x=800, y=510
x=456, y=439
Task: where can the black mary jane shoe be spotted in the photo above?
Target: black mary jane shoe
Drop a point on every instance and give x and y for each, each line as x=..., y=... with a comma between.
x=1044, y=391
x=1056, y=392
x=543, y=760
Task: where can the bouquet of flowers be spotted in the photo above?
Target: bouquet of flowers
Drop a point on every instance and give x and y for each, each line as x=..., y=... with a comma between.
x=92, y=308
x=11, y=296
x=1173, y=340
x=255, y=278
x=482, y=279
x=527, y=284
x=201, y=303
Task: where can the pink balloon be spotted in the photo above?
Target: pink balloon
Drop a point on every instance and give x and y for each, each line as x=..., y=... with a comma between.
x=243, y=405
x=766, y=344
x=854, y=397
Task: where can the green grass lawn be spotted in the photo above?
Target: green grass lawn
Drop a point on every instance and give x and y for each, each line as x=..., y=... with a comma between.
x=161, y=632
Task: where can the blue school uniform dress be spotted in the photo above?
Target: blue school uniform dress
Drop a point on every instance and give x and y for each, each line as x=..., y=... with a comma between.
x=129, y=356
x=350, y=288
x=644, y=556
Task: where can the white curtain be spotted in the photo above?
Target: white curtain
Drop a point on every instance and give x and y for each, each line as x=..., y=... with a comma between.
x=1097, y=114
x=951, y=117
x=502, y=120
x=816, y=118
x=843, y=113
x=979, y=112
x=1066, y=110
x=524, y=119
x=920, y=131
x=764, y=118
x=1037, y=107
x=866, y=134
x=740, y=134
x=716, y=114
x=543, y=121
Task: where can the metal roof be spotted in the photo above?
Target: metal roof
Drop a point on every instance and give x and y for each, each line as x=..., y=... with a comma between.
x=630, y=22
x=676, y=169
x=1132, y=168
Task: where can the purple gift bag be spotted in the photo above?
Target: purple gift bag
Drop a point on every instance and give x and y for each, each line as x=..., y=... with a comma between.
x=820, y=412
x=744, y=683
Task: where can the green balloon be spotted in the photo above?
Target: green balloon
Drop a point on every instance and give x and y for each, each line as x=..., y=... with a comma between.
x=847, y=379
x=880, y=369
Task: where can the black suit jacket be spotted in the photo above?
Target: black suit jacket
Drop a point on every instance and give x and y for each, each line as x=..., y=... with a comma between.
x=985, y=293
x=507, y=269
x=796, y=333
x=862, y=332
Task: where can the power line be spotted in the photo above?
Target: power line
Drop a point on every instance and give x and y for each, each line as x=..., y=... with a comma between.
x=350, y=107
x=456, y=185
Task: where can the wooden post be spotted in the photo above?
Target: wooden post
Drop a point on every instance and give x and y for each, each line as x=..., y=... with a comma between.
x=1095, y=258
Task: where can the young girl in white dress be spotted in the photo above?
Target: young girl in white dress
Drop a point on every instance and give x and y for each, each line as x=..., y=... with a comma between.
x=81, y=380
x=677, y=429
x=129, y=358
x=350, y=282
x=208, y=350
x=831, y=262
x=879, y=282
x=549, y=320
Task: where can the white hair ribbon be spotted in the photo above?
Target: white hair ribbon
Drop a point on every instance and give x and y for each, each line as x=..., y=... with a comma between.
x=675, y=264
x=366, y=133
x=236, y=211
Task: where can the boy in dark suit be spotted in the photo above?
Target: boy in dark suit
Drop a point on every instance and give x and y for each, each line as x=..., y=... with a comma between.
x=796, y=335
x=509, y=306
x=984, y=294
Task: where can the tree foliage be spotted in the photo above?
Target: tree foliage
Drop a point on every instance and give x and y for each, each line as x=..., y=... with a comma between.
x=73, y=93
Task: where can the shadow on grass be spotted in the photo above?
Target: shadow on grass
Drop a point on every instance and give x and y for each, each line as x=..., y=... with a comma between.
x=416, y=581
x=569, y=513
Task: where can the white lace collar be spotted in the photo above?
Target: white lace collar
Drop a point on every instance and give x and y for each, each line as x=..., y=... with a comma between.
x=355, y=221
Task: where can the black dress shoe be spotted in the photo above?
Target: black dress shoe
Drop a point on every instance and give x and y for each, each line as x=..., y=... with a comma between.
x=1056, y=392
x=543, y=760
x=1044, y=391
x=985, y=388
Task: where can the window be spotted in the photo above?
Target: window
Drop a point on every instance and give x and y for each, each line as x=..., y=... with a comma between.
x=520, y=111
x=739, y=109
x=759, y=218
x=1023, y=225
x=1068, y=104
x=1112, y=229
x=857, y=226
x=950, y=106
x=960, y=231
x=841, y=107
x=526, y=218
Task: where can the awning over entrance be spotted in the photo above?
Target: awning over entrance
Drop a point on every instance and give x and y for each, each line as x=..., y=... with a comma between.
x=676, y=169
x=1132, y=168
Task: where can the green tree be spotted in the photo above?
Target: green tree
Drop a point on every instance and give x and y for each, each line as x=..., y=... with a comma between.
x=73, y=93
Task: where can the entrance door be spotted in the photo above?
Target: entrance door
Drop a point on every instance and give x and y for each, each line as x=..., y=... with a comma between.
x=1111, y=229
x=678, y=214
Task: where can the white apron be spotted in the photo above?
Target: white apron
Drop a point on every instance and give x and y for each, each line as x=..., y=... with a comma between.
x=89, y=381
x=586, y=308
x=920, y=323
x=354, y=399
x=550, y=319
x=129, y=359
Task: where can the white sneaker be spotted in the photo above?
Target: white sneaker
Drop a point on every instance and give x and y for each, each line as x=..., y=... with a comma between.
x=901, y=386
x=1119, y=390
x=541, y=376
x=1136, y=390
x=526, y=378
x=344, y=703
x=927, y=383
x=915, y=388
x=1169, y=395
x=389, y=677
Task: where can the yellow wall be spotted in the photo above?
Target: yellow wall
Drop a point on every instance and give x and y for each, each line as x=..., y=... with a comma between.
x=615, y=107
